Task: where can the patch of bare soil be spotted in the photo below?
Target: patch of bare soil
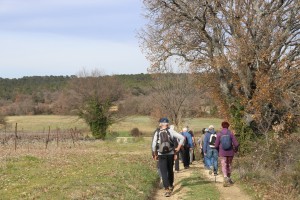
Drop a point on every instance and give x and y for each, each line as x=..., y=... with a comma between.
x=179, y=192
x=226, y=193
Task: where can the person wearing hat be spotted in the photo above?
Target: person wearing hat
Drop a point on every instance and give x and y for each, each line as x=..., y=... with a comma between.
x=163, y=145
x=210, y=151
x=226, y=154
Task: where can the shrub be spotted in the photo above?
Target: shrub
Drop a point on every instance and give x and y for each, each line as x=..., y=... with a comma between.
x=2, y=120
x=273, y=171
x=135, y=132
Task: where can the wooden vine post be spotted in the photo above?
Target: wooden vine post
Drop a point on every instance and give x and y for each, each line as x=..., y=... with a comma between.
x=48, y=138
x=16, y=135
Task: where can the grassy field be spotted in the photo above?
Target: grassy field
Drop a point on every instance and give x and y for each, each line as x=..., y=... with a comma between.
x=40, y=123
x=89, y=170
x=84, y=169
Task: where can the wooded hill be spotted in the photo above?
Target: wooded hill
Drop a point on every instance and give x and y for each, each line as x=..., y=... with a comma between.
x=51, y=94
x=30, y=85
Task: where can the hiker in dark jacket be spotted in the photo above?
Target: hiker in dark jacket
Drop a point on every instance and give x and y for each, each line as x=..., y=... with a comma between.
x=226, y=155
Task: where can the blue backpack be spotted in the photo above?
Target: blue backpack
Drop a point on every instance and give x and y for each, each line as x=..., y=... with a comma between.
x=226, y=141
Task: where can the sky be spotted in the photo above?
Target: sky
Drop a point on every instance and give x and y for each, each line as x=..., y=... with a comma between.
x=65, y=37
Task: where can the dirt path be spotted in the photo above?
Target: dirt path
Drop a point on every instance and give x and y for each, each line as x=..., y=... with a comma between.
x=226, y=193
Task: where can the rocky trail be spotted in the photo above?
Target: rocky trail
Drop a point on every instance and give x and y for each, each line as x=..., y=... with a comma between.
x=179, y=192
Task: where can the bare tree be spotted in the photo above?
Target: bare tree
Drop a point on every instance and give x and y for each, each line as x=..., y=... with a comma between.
x=171, y=94
x=251, y=48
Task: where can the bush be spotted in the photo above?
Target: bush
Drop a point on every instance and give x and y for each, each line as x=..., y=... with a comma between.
x=273, y=172
x=2, y=120
x=135, y=132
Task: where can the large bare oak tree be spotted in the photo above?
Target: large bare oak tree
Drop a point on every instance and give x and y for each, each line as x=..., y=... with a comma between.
x=250, y=48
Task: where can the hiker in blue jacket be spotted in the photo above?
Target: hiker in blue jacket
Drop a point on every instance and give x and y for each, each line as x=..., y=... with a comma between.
x=210, y=151
x=187, y=147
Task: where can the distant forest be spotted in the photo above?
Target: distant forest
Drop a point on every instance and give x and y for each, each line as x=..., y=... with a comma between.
x=37, y=95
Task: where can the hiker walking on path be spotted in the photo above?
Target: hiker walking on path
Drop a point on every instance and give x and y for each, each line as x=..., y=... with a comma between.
x=187, y=148
x=201, y=145
x=192, y=153
x=163, y=144
x=210, y=150
x=228, y=145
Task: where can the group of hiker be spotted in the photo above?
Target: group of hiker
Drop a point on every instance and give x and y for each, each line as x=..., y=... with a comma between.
x=169, y=146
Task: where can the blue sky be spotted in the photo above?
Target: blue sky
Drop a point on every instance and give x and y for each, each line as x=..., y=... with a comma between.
x=63, y=37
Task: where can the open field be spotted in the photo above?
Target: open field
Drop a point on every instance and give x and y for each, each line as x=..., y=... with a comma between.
x=88, y=170
x=84, y=169
x=41, y=123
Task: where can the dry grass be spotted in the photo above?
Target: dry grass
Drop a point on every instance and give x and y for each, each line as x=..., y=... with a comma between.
x=41, y=124
x=88, y=170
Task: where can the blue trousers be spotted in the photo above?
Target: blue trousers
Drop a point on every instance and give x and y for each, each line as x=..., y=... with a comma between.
x=212, y=159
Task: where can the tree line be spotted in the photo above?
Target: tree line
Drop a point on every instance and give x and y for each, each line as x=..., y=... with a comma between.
x=88, y=91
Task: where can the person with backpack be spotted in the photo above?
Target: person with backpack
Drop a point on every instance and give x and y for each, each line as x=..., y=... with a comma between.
x=228, y=145
x=163, y=146
x=187, y=146
x=210, y=151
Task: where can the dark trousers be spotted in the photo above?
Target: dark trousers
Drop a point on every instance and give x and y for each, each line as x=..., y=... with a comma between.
x=186, y=157
x=177, y=162
x=166, y=163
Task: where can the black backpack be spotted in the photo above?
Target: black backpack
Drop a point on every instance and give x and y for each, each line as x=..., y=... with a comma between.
x=165, y=141
x=212, y=140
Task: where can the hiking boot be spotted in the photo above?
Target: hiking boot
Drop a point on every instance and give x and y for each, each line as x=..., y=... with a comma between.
x=226, y=182
x=230, y=181
x=215, y=173
x=168, y=193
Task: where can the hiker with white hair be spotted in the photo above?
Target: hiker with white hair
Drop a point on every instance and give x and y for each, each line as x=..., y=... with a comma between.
x=210, y=151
